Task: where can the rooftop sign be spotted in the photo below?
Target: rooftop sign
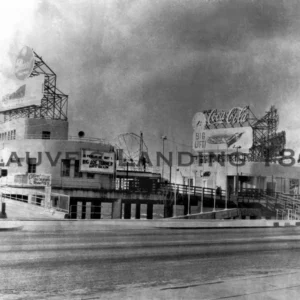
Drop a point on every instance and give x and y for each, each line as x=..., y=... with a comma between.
x=233, y=116
x=222, y=139
x=28, y=94
x=236, y=115
x=24, y=63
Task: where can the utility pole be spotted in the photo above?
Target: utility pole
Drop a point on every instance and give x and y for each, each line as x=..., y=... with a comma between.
x=163, y=141
x=237, y=168
x=226, y=179
x=175, y=192
x=189, y=193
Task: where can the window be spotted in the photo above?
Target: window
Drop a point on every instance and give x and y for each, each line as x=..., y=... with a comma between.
x=32, y=165
x=46, y=135
x=77, y=173
x=90, y=175
x=8, y=135
x=65, y=167
x=13, y=134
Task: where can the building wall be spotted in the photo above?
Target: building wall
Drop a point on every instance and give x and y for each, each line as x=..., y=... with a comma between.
x=58, y=128
x=55, y=149
x=33, y=128
x=260, y=175
x=19, y=125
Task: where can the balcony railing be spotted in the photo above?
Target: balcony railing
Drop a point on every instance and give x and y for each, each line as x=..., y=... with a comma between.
x=69, y=138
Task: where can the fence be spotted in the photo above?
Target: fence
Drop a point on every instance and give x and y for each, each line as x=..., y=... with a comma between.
x=59, y=202
x=287, y=206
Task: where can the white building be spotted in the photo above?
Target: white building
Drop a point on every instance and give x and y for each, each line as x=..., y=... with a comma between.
x=36, y=149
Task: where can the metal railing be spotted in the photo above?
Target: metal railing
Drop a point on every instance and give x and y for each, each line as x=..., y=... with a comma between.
x=287, y=206
x=59, y=202
x=41, y=136
x=164, y=188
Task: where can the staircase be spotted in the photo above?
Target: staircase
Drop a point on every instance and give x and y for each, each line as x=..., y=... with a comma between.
x=273, y=204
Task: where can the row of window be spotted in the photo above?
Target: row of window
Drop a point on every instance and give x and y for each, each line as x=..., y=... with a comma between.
x=9, y=135
x=65, y=168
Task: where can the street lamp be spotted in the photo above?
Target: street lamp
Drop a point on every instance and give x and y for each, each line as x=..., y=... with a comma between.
x=189, y=194
x=163, y=140
x=175, y=191
x=226, y=179
x=237, y=168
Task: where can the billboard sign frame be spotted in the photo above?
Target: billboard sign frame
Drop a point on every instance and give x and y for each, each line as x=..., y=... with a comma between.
x=223, y=139
x=30, y=93
x=24, y=63
x=97, y=161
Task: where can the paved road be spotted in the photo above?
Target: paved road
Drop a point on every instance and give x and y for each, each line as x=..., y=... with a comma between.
x=65, y=262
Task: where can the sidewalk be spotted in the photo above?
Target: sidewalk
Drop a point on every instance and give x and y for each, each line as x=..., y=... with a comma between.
x=108, y=225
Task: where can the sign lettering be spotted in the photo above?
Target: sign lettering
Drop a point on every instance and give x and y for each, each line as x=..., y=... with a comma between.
x=235, y=115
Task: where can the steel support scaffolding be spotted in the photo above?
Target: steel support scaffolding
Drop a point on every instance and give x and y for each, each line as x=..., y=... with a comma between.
x=54, y=104
x=268, y=145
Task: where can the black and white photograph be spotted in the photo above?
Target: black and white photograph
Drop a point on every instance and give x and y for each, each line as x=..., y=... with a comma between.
x=149, y=149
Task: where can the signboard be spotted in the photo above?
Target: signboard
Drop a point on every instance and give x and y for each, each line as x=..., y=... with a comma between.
x=234, y=116
x=29, y=93
x=20, y=179
x=39, y=179
x=24, y=63
x=222, y=139
x=94, y=161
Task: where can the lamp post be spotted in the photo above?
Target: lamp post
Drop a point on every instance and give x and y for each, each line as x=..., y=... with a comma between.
x=163, y=141
x=237, y=168
x=226, y=179
x=189, y=193
x=175, y=185
x=175, y=191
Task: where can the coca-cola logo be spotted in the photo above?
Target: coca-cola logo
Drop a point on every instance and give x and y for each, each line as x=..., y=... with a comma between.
x=235, y=115
x=24, y=63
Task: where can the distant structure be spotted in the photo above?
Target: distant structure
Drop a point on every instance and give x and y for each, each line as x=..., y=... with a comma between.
x=240, y=151
x=45, y=164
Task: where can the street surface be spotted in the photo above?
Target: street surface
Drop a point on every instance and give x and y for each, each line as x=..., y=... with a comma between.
x=52, y=260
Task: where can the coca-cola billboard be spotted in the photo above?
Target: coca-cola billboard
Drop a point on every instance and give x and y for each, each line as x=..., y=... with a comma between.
x=233, y=117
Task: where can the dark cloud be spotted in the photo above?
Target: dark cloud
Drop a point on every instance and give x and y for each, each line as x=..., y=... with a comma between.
x=150, y=65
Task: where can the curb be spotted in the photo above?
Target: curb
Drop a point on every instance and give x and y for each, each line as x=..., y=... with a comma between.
x=11, y=228
x=13, y=225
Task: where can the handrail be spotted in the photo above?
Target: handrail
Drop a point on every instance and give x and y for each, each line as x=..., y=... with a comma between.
x=40, y=136
x=192, y=190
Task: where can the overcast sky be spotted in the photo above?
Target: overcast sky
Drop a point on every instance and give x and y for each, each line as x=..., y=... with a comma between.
x=150, y=65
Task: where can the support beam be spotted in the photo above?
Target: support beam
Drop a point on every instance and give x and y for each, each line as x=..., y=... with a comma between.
x=168, y=209
x=127, y=210
x=186, y=210
x=138, y=211
x=96, y=211
x=116, y=209
x=3, y=211
x=150, y=211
